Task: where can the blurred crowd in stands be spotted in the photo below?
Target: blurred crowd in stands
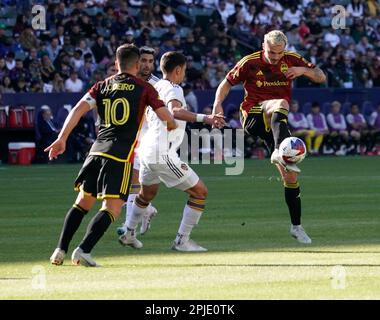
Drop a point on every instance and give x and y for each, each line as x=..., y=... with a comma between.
x=77, y=48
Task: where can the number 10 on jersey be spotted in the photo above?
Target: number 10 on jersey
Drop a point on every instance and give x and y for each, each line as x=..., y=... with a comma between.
x=111, y=113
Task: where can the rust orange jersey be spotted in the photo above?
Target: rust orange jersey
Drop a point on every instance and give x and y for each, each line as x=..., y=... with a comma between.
x=263, y=81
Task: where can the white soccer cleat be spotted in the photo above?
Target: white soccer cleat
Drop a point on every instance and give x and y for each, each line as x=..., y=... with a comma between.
x=188, y=246
x=276, y=159
x=129, y=239
x=145, y=222
x=299, y=234
x=84, y=259
x=57, y=257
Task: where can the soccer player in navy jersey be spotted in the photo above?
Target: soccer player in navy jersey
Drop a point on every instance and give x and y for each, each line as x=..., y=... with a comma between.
x=105, y=175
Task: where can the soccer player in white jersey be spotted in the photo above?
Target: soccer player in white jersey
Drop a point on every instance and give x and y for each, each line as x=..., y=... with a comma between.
x=145, y=73
x=159, y=160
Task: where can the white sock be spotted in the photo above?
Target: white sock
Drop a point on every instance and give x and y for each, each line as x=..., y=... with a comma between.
x=135, y=216
x=190, y=218
x=128, y=207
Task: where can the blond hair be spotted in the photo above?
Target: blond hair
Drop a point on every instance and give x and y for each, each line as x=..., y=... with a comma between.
x=276, y=37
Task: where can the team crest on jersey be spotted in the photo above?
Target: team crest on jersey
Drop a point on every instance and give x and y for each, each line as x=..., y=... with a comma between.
x=184, y=167
x=259, y=84
x=284, y=68
x=260, y=73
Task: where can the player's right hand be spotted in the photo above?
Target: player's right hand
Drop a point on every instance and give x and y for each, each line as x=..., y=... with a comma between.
x=215, y=120
x=56, y=148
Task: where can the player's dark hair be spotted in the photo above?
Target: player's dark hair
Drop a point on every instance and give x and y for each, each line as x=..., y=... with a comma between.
x=147, y=50
x=172, y=59
x=127, y=55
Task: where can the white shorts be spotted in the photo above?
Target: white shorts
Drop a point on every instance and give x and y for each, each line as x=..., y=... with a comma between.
x=171, y=171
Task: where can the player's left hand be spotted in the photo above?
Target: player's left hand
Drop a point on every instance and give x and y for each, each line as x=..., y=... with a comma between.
x=294, y=72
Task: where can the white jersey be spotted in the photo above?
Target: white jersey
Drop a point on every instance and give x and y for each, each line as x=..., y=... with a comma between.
x=152, y=80
x=144, y=127
x=157, y=141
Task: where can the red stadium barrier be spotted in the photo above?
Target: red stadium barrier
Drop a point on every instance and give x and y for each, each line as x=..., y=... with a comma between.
x=3, y=117
x=15, y=117
x=28, y=116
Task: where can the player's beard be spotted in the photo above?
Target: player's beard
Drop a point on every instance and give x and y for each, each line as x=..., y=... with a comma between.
x=145, y=73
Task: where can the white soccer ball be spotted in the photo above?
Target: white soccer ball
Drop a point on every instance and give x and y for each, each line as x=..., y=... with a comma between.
x=292, y=150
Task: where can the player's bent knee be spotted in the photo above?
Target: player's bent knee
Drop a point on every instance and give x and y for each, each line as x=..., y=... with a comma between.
x=199, y=191
x=283, y=104
x=85, y=202
x=113, y=206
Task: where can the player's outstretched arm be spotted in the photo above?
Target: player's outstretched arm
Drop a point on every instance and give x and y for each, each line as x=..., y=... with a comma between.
x=58, y=146
x=221, y=93
x=314, y=74
x=180, y=113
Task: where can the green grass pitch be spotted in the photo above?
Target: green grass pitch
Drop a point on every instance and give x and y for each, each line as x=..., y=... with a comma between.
x=245, y=227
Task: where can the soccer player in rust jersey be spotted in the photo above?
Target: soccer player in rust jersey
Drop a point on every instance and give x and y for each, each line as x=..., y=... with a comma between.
x=267, y=78
x=105, y=175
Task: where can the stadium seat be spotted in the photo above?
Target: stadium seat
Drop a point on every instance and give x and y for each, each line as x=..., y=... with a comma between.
x=373, y=22
x=61, y=116
x=20, y=55
x=91, y=11
x=10, y=22
x=367, y=108
x=201, y=11
x=133, y=11
x=197, y=65
x=325, y=21
x=158, y=33
x=8, y=12
x=326, y=107
x=8, y=33
x=346, y=107
x=184, y=31
x=342, y=2
x=106, y=33
x=306, y=108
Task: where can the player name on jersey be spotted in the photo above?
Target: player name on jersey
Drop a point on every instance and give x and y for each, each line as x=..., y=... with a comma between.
x=119, y=87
